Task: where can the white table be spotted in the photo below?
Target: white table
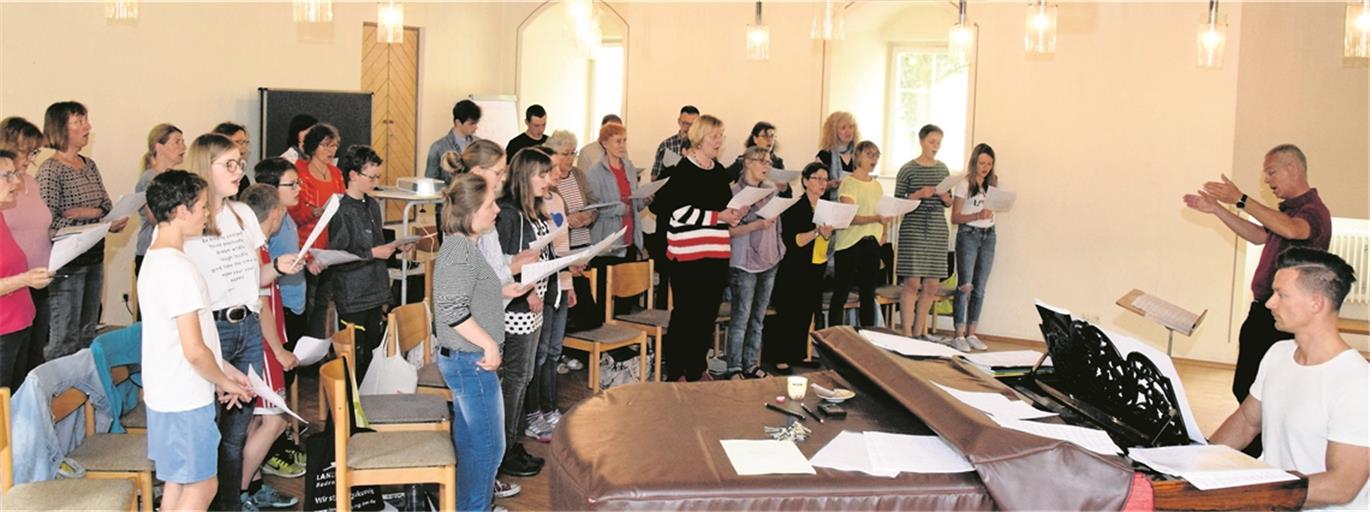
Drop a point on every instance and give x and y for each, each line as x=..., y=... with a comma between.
x=410, y=200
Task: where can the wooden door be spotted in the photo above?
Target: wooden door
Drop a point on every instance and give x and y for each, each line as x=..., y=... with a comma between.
x=391, y=73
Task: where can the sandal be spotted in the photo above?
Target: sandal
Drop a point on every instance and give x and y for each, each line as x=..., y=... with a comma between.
x=756, y=373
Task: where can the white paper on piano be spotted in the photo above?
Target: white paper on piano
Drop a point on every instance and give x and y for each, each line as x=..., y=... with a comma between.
x=76, y=241
x=264, y=391
x=777, y=206
x=766, y=457
x=329, y=208
x=1126, y=345
x=847, y=452
x=890, y=206
x=948, y=182
x=127, y=205
x=999, y=200
x=913, y=454
x=997, y=405
x=542, y=241
x=1094, y=440
x=909, y=346
x=1209, y=466
x=310, y=350
x=782, y=175
x=832, y=213
x=670, y=158
x=1008, y=359
x=646, y=191
x=331, y=257
x=749, y=196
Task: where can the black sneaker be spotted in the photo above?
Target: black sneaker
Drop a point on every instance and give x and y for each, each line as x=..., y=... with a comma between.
x=523, y=452
x=514, y=465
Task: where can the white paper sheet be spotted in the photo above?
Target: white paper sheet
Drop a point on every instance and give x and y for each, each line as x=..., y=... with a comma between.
x=542, y=241
x=329, y=208
x=405, y=240
x=648, y=190
x=534, y=272
x=609, y=243
x=670, y=158
x=890, y=206
x=949, y=182
x=75, y=242
x=999, y=200
x=1090, y=439
x=260, y=388
x=1174, y=317
x=331, y=257
x=913, y=454
x=1209, y=466
x=1225, y=479
x=127, y=205
x=909, y=346
x=832, y=213
x=778, y=206
x=749, y=196
x=847, y=452
x=766, y=457
x=997, y=405
x=597, y=206
x=310, y=350
x=782, y=175
x=1008, y=359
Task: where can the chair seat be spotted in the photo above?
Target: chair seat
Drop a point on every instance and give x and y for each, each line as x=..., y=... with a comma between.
x=608, y=334
x=405, y=408
x=113, y=452
x=853, y=300
x=380, y=450
x=77, y=494
x=725, y=311
x=430, y=376
x=654, y=317
x=889, y=292
x=136, y=418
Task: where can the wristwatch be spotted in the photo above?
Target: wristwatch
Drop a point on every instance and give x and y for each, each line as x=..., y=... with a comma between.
x=1241, y=203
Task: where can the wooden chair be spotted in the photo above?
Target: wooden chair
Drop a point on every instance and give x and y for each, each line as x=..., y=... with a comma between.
x=107, y=456
x=610, y=336
x=385, y=458
x=412, y=327
x=391, y=412
x=73, y=494
x=634, y=279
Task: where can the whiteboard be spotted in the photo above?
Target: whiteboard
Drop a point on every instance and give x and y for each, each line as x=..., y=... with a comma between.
x=499, y=118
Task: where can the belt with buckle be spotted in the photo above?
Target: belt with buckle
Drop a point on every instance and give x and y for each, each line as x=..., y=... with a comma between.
x=232, y=315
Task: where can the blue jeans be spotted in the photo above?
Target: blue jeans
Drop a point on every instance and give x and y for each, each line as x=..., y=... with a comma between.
x=974, y=260
x=751, y=297
x=74, y=297
x=477, y=427
x=241, y=345
x=542, y=393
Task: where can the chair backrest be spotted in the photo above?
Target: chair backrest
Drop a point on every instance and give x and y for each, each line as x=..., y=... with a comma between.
x=345, y=343
x=334, y=385
x=68, y=402
x=429, y=266
x=625, y=280
x=6, y=452
x=411, y=327
x=591, y=274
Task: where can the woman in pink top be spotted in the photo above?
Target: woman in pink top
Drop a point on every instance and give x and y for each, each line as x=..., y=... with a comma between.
x=16, y=278
x=28, y=219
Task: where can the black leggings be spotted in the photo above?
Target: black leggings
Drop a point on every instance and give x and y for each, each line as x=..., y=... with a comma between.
x=859, y=264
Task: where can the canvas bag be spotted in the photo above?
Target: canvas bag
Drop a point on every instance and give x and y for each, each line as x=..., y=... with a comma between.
x=389, y=374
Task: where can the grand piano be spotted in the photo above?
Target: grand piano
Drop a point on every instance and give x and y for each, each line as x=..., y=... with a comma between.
x=655, y=446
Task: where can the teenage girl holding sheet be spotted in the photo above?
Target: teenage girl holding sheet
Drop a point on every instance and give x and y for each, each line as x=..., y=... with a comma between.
x=975, y=240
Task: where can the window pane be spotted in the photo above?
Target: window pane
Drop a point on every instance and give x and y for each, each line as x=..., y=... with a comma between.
x=929, y=87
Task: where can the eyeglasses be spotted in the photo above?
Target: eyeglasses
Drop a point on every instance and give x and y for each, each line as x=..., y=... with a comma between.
x=376, y=177
x=817, y=178
x=293, y=184
x=761, y=160
x=10, y=176
x=333, y=145
x=234, y=165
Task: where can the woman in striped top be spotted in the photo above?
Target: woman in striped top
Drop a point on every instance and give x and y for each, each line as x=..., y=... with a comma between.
x=695, y=206
x=574, y=187
x=922, y=261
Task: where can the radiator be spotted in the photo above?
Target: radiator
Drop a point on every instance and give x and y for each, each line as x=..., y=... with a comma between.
x=1354, y=247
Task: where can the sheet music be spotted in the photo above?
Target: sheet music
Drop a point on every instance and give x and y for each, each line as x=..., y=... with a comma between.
x=534, y=272
x=127, y=205
x=649, y=189
x=749, y=196
x=909, y=346
x=999, y=200
x=847, y=452
x=542, y=241
x=596, y=206
x=913, y=454
x=949, y=182
x=609, y=243
x=1094, y=440
x=778, y=206
x=1127, y=345
x=1209, y=466
x=1225, y=479
x=264, y=391
x=890, y=206
x=75, y=241
x=997, y=405
x=329, y=208
x=331, y=257
x=670, y=158
x=1008, y=359
x=832, y=213
x=782, y=175
x=310, y=350
x=406, y=240
x=1167, y=314
x=766, y=457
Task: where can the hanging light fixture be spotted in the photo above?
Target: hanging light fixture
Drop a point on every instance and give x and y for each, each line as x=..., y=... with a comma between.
x=390, y=22
x=313, y=11
x=1358, y=30
x=1212, y=39
x=1040, y=35
x=758, y=38
x=829, y=21
x=961, y=37
x=121, y=9
x=584, y=24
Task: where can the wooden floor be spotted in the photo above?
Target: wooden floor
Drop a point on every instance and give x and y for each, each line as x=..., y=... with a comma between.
x=1207, y=386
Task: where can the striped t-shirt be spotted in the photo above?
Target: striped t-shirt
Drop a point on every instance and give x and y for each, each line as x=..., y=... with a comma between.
x=692, y=201
x=575, y=200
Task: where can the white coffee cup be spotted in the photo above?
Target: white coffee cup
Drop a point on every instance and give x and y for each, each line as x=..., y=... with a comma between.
x=797, y=386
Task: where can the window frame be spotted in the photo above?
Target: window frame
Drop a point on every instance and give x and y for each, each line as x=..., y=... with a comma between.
x=888, y=165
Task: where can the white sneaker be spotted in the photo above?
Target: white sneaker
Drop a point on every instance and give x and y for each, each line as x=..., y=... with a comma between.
x=506, y=489
x=959, y=343
x=552, y=418
x=572, y=363
x=563, y=369
x=975, y=343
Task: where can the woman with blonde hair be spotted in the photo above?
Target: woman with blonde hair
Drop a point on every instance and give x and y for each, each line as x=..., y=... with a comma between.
x=28, y=219
x=837, y=147
x=166, y=148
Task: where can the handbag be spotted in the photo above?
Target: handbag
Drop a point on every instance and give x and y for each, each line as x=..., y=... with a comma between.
x=389, y=373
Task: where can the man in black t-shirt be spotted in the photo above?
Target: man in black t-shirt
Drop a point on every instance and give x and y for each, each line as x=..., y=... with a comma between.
x=536, y=119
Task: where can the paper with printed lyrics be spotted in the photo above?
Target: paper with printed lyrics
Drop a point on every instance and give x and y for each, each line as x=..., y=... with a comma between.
x=331, y=257
x=913, y=454
x=777, y=206
x=127, y=205
x=749, y=196
x=1008, y=359
x=1094, y=440
x=1209, y=466
x=670, y=158
x=847, y=452
x=766, y=457
x=890, y=206
x=1162, y=312
x=782, y=175
x=649, y=189
x=310, y=350
x=74, y=243
x=329, y=208
x=996, y=405
x=534, y=272
x=406, y=240
x=264, y=391
x=834, y=214
x=542, y=241
x=999, y=200
x=596, y=206
x=949, y=182
x=609, y=243
x=909, y=346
